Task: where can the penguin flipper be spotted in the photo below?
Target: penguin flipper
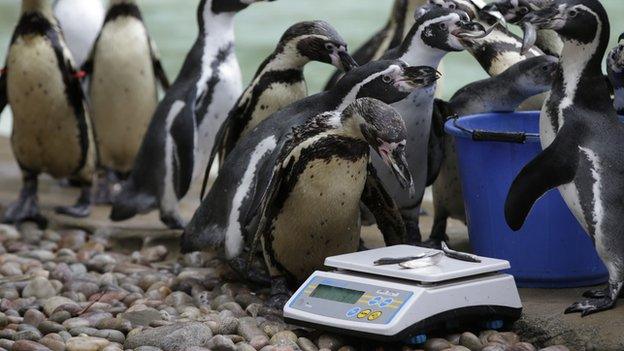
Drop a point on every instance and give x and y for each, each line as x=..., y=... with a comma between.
x=159, y=70
x=386, y=212
x=3, y=91
x=435, y=156
x=553, y=167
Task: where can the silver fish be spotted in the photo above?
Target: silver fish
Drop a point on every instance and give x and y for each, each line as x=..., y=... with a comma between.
x=462, y=256
x=430, y=259
x=530, y=37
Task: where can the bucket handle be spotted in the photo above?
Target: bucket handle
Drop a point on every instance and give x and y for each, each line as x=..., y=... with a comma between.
x=483, y=135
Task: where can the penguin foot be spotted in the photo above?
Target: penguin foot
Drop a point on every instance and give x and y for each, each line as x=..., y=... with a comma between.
x=279, y=293
x=596, y=294
x=413, y=232
x=105, y=188
x=172, y=220
x=82, y=208
x=591, y=306
x=26, y=208
x=254, y=274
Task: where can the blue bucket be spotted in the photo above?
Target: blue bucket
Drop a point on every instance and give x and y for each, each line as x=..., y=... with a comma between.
x=551, y=250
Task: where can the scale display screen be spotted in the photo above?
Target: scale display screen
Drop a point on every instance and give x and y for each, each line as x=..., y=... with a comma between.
x=333, y=293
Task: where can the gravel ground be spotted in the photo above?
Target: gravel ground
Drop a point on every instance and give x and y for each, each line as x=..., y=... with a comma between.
x=65, y=290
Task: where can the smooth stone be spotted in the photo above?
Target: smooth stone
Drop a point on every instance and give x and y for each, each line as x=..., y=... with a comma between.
x=86, y=343
x=306, y=344
x=147, y=348
x=40, y=288
x=485, y=335
x=470, y=341
x=522, y=346
x=437, y=344
x=243, y=346
x=34, y=317
x=76, y=322
x=28, y=345
x=6, y=344
x=11, y=269
x=73, y=239
x=53, y=343
x=30, y=334
x=221, y=343
x=331, y=342
x=459, y=348
x=112, y=335
x=282, y=336
x=143, y=317
x=40, y=255
x=454, y=338
x=179, y=298
x=9, y=232
x=228, y=325
x=51, y=304
x=3, y=320
x=175, y=337
x=232, y=306
x=555, y=348
x=120, y=324
x=113, y=347
x=60, y=316
x=494, y=347
x=154, y=254
x=9, y=293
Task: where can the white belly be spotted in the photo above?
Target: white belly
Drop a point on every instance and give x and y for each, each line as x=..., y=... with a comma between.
x=123, y=92
x=321, y=217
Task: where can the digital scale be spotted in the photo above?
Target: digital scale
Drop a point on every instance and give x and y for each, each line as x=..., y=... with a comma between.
x=390, y=303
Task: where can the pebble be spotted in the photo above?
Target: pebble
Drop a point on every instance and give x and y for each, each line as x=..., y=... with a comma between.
x=221, y=343
x=555, y=348
x=283, y=336
x=33, y=317
x=436, y=344
x=243, y=346
x=142, y=317
x=51, y=304
x=29, y=334
x=172, y=337
x=28, y=345
x=86, y=343
x=331, y=342
x=9, y=233
x=306, y=344
x=522, y=346
x=40, y=288
x=470, y=341
x=53, y=342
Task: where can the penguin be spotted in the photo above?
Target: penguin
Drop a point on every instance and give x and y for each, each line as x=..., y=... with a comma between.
x=52, y=131
x=436, y=32
x=503, y=93
x=497, y=51
x=581, y=137
x=279, y=81
x=124, y=68
x=178, y=140
x=390, y=36
x=615, y=72
x=514, y=10
x=228, y=215
x=80, y=22
x=323, y=171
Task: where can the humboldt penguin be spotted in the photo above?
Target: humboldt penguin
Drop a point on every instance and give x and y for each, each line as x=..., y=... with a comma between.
x=124, y=67
x=51, y=127
x=178, y=140
x=615, y=72
x=503, y=93
x=311, y=207
x=279, y=81
x=390, y=36
x=514, y=11
x=228, y=215
x=436, y=32
x=582, y=139
x=80, y=22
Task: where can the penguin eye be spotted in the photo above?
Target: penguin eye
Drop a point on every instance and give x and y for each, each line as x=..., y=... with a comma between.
x=386, y=79
x=523, y=10
x=443, y=26
x=452, y=6
x=572, y=13
x=329, y=46
x=544, y=68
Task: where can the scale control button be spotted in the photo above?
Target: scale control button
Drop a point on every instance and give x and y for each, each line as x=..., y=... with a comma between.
x=364, y=314
x=374, y=315
x=353, y=312
x=386, y=302
x=374, y=301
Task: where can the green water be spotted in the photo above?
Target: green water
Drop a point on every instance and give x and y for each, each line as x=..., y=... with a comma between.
x=172, y=25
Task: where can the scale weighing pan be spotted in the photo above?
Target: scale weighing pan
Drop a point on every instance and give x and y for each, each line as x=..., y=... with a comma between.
x=390, y=303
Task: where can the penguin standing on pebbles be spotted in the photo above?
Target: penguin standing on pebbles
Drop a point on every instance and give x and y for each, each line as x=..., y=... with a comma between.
x=80, y=22
x=615, y=71
x=51, y=127
x=502, y=93
x=124, y=68
x=582, y=139
x=228, y=216
x=177, y=143
x=280, y=81
x=311, y=207
x=390, y=36
x=437, y=31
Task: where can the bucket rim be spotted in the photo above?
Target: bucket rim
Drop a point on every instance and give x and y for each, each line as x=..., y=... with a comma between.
x=453, y=127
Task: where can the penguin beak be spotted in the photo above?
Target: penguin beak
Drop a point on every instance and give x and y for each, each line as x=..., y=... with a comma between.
x=342, y=60
x=471, y=30
x=415, y=77
x=493, y=11
x=394, y=157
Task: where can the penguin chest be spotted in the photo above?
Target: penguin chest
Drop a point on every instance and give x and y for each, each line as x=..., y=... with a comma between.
x=123, y=91
x=46, y=129
x=274, y=98
x=321, y=215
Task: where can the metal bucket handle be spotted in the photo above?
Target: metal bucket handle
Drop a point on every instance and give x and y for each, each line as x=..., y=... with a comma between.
x=505, y=137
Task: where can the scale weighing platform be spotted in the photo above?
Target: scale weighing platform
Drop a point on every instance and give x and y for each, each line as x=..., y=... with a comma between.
x=390, y=303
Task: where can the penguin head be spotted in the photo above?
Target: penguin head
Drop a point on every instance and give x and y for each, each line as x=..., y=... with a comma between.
x=574, y=20
x=465, y=6
x=384, y=130
x=536, y=74
x=513, y=11
x=442, y=29
x=387, y=80
x=615, y=59
x=221, y=6
x=317, y=41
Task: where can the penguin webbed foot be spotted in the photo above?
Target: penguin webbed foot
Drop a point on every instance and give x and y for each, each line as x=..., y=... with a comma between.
x=280, y=294
x=599, y=301
x=254, y=274
x=596, y=294
x=82, y=208
x=26, y=208
x=172, y=220
x=104, y=191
